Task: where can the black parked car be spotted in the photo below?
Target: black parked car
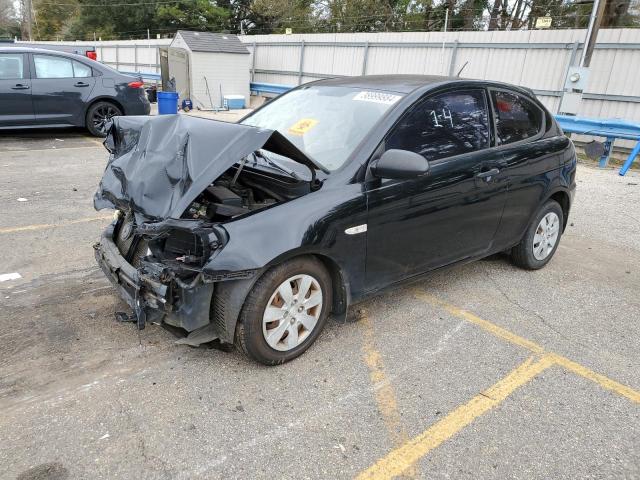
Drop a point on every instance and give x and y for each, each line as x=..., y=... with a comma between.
x=44, y=88
x=255, y=232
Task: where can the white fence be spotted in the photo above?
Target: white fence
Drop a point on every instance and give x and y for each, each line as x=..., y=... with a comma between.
x=537, y=59
x=125, y=55
x=132, y=55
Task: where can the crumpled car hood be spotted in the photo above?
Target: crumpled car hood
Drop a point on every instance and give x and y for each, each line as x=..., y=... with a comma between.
x=159, y=165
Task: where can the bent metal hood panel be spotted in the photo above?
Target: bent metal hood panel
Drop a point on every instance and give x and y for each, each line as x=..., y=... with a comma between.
x=159, y=165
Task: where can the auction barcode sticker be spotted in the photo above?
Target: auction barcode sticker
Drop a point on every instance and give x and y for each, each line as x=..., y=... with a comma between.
x=377, y=97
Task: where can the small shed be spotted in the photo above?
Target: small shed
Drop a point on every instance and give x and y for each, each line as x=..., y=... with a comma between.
x=219, y=61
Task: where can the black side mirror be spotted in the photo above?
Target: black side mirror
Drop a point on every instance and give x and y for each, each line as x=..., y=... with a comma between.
x=400, y=165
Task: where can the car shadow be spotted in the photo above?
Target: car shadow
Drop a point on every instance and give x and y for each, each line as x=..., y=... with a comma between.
x=46, y=138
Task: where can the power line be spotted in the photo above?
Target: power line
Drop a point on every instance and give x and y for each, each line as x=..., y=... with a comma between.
x=435, y=9
x=411, y=27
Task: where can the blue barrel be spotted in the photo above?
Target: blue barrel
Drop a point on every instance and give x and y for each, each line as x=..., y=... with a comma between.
x=167, y=103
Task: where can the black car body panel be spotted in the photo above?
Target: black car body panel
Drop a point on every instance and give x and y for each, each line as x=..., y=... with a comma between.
x=29, y=101
x=369, y=232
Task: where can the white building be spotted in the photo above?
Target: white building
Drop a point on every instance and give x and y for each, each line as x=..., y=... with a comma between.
x=217, y=60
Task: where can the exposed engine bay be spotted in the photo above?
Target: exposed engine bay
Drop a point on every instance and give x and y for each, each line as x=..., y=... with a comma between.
x=243, y=190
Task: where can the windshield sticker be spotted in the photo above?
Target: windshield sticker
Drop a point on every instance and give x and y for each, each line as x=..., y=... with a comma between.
x=302, y=126
x=377, y=97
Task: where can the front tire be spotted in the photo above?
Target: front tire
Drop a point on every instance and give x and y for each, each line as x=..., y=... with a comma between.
x=541, y=239
x=285, y=311
x=99, y=117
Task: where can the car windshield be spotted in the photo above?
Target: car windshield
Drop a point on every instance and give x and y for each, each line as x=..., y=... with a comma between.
x=326, y=123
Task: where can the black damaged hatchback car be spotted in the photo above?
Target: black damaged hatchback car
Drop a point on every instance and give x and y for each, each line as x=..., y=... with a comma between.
x=254, y=233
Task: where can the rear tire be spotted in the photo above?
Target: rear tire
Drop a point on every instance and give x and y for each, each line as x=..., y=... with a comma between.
x=285, y=311
x=99, y=116
x=541, y=239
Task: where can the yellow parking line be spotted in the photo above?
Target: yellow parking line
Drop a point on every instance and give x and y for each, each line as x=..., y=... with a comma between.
x=43, y=226
x=384, y=392
x=96, y=141
x=484, y=324
x=405, y=457
x=504, y=334
x=604, y=382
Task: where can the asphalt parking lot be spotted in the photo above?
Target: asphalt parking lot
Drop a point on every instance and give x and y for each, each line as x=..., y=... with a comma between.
x=479, y=371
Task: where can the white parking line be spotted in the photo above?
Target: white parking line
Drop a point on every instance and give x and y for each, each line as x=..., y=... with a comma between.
x=9, y=276
x=50, y=149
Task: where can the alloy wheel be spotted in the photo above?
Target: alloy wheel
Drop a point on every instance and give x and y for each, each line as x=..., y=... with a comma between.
x=292, y=312
x=546, y=236
x=102, y=117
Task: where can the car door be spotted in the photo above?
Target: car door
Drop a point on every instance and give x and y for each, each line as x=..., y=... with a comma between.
x=16, y=107
x=61, y=87
x=531, y=158
x=453, y=212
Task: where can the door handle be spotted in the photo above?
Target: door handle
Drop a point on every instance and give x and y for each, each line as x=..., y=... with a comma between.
x=81, y=84
x=20, y=86
x=488, y=174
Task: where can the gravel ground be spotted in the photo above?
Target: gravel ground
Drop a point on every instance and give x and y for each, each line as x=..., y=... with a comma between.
x=85, y=397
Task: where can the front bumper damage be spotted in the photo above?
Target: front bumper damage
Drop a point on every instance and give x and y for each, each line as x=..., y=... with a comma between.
x=155, y=295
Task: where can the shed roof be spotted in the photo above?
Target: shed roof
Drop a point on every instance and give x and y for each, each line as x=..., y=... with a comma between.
x=213, y=42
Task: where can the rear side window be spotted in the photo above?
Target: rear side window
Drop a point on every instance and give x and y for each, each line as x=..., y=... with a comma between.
x=80, y=70
x=516, y=117
x=444, y=125
x=49, y=66
x=11, y=66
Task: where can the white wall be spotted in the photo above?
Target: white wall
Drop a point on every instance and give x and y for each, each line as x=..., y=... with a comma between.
x=231, y=71
x=614, y=71
x=125, y=55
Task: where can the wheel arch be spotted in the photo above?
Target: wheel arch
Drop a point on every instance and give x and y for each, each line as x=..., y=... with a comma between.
x=341, y=292
x=562, y=197
x=559, y=194
x=229, y=297
x=102, y=99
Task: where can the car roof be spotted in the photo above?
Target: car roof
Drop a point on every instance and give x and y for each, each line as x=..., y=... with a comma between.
x=408, y=83
x=19, y=49
x=395, y=83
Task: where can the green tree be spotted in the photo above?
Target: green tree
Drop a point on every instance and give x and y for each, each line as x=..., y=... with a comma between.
x=52, y=18
x=273, y=16
x=193, y=15
x=113, y=20
x=366, y=15
x=9, y=20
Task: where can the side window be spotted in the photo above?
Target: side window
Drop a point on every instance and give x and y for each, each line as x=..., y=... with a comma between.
x=80, y=70
x=11, y=66
x=516, y=117
x=444, y=125
x=49, y=66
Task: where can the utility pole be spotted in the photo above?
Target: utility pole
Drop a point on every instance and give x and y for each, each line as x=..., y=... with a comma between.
x=597, y=12
x=577, y=76
x=149, y=47
x=27, y=17
x=446, y=21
